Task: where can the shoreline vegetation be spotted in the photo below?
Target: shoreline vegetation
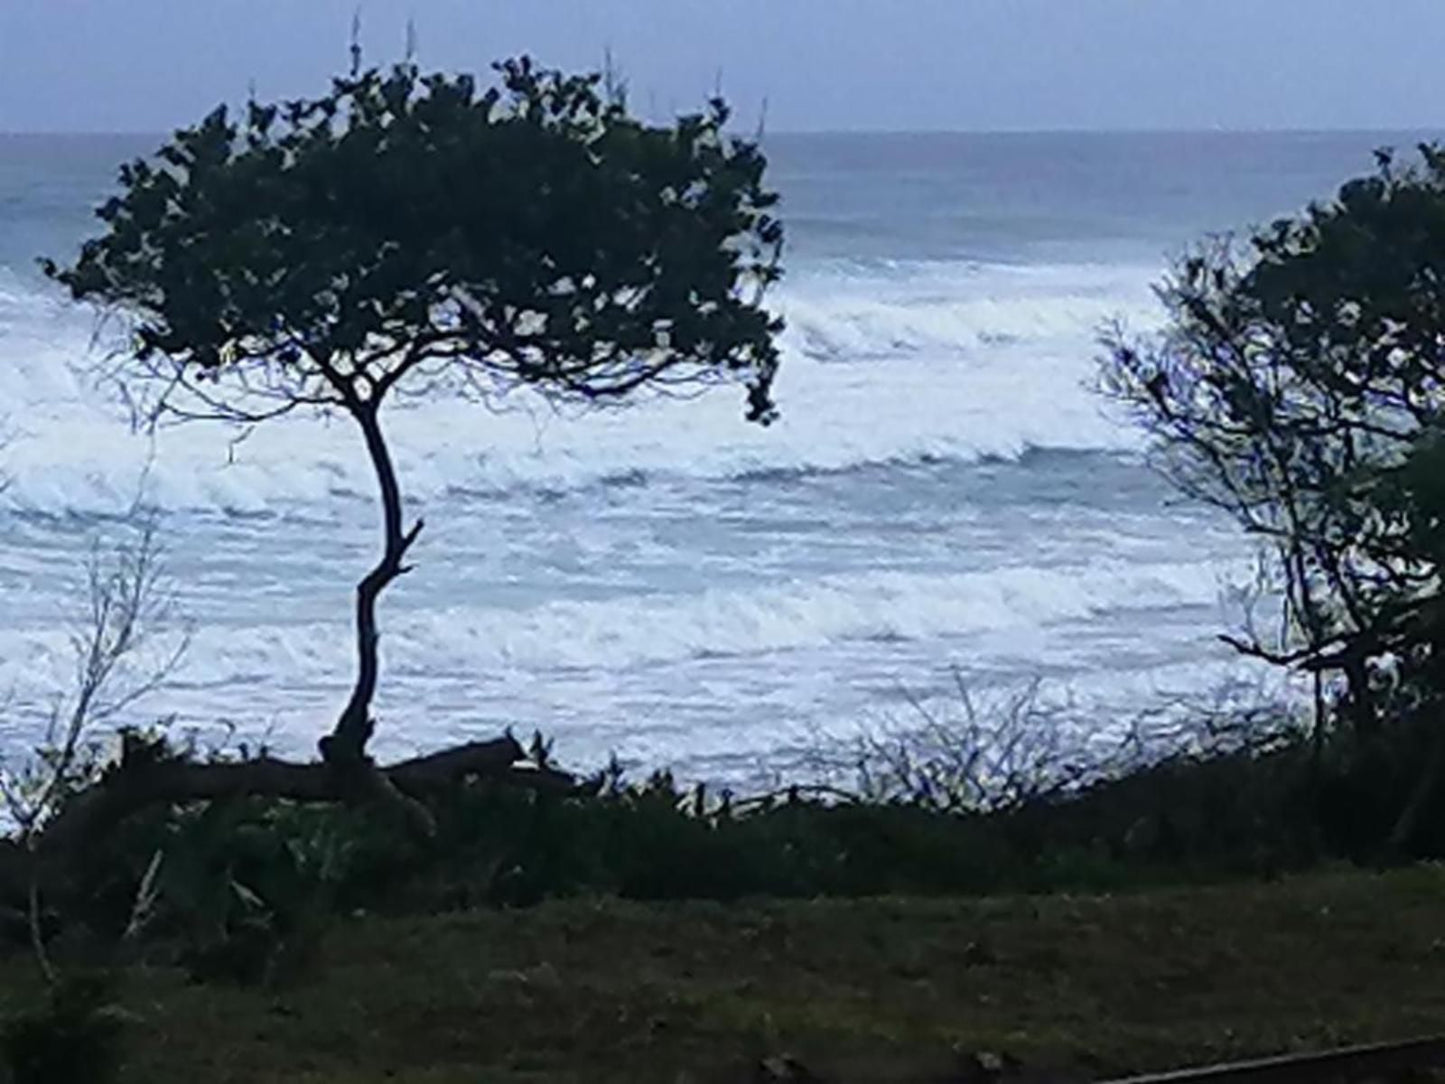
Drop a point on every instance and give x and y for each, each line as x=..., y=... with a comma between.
x=968, y=889
x=1236, y=901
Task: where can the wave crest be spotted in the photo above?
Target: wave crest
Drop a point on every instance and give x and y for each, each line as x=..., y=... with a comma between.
x=949, y=362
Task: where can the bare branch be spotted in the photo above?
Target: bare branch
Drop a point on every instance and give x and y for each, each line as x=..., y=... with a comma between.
x=128, y=606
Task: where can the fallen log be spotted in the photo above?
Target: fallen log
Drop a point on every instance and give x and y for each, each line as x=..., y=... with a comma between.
x=140, y=779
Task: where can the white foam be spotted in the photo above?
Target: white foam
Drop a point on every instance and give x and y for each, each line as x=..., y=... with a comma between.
x=634, y=630
x=979, y=363
x=954, y=310
x=868, y=606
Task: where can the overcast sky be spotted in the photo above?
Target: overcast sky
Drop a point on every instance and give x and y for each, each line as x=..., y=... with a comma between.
x=152, y=65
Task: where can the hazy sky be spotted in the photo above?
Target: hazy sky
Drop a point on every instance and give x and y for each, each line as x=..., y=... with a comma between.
x=151, y=65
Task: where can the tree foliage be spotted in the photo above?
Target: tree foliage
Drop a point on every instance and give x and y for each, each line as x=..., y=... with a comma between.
x=405, y=229
x=1298, y=385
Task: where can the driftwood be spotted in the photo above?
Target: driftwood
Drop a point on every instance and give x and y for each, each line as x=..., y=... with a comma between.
x=140, y=780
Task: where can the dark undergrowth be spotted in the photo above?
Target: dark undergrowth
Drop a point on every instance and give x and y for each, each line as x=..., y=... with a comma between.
x=263, y=898
x=253, y=878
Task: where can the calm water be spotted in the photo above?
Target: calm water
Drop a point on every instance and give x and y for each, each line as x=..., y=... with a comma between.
x=667, y=582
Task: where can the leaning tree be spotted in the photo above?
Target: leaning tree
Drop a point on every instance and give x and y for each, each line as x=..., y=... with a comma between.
x=410, y=234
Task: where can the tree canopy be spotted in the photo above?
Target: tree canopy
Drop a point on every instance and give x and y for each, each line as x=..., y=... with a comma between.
x=405, y=229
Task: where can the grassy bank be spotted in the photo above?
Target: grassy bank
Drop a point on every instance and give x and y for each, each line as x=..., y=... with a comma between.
x=875, y=989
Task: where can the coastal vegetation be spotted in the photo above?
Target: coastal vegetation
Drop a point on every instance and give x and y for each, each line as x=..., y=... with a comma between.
x=963, y=888
x=1297, y=387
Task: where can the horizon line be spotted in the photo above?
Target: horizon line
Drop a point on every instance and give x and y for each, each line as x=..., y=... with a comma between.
x=137, y=133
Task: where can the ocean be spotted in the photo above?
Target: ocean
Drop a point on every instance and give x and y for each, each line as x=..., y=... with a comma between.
x=943, y=498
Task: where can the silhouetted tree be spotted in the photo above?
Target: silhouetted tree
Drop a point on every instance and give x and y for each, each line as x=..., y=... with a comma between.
x=1299, y=385
x=410, y=234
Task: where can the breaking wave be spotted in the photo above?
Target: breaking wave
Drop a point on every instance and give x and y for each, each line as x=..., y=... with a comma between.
x=964, y=362
x=616, y=633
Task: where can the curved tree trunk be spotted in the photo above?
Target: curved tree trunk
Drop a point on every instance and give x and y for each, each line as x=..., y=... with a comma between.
x=344, y=749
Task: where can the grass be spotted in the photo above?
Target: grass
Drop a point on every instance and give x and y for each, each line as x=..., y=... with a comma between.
x=858, y=990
